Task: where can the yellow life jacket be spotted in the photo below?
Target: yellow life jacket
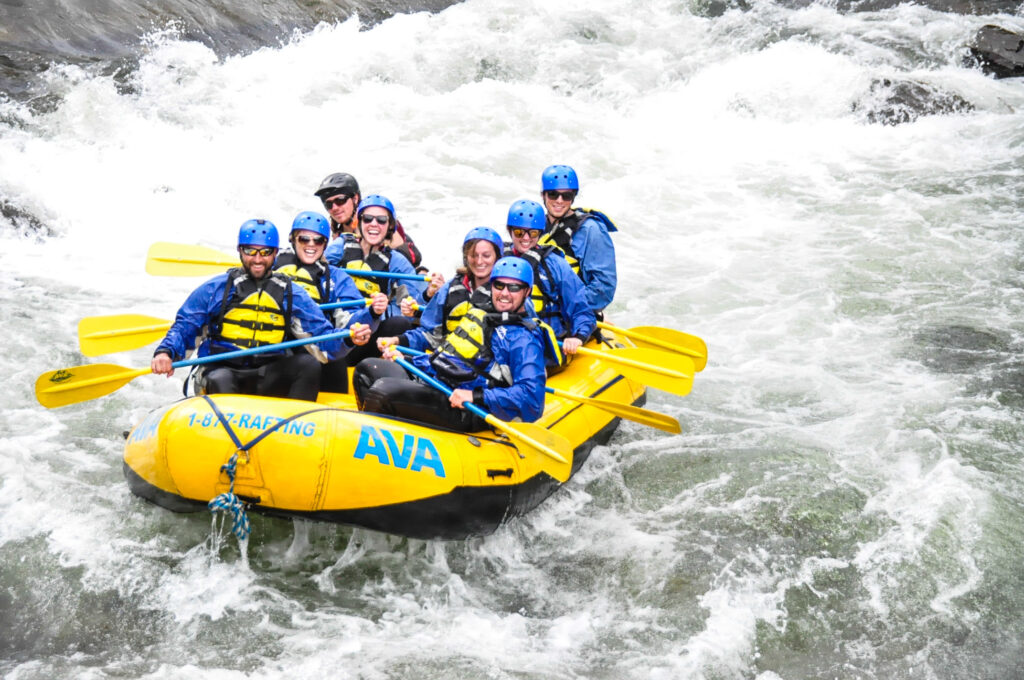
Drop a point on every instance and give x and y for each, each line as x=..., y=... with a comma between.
x=466, y=351
x=460, y=300
x=253, y=313
x=544, y=304
x=314, y=278
x=378, y=260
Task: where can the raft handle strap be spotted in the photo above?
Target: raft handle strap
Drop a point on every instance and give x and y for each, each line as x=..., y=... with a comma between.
x=230, y=502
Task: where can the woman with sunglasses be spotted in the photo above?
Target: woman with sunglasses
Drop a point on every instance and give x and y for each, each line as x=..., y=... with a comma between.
x=305, y=265
x=492, y=359
x=369, y=249
x=471, y=287
x=339, y=192
x=558, y=296
x=252, y=306
x=582, y=234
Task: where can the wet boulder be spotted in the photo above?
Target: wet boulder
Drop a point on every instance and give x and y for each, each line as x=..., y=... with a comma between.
x=998, y=52
x=892, y=102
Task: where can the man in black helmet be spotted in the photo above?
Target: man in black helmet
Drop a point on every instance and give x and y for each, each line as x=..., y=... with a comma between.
x=339, y=192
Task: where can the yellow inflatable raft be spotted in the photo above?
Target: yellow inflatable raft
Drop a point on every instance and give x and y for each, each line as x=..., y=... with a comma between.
x=328, y=461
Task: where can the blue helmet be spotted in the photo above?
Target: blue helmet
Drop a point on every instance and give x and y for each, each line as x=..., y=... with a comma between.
x=380, y=201
x=559, y=177
x=513, y=268
x=312, y=221
x=485, y=234
x=258, y=233
x=527, y=215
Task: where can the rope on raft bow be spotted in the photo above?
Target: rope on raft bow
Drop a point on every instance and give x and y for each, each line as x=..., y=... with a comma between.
x=229, y=502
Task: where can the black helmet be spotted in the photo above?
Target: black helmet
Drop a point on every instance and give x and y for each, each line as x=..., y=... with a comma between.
x=337, y=183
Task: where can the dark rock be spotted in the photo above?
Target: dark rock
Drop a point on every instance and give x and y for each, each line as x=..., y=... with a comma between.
x=894, y=102
x=998, y=52
x=975, y=7
x=23, y=221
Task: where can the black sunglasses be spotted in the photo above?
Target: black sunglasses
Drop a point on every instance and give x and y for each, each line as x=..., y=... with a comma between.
x=512, y=287
x=315, y=240
x=564, y=195
x=337, y=201
x=370, y=219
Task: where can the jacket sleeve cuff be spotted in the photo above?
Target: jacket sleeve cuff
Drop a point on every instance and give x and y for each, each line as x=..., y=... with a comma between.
x=478, y=396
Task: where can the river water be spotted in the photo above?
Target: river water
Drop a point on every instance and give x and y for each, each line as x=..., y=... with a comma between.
x=846, y=498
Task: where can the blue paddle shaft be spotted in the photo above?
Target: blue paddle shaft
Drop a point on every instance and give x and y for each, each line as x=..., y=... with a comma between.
x=214, y=358
x=369, y=273
x=345, y=304
x=438, y=385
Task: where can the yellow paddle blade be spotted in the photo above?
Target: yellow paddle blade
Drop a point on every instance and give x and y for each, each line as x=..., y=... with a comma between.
x=648, y=366
x=636, y=414
x=553, y=445
x=669, y=339
x=690, y=345
x=81, y=383
x=177, y=259
x=119, y=333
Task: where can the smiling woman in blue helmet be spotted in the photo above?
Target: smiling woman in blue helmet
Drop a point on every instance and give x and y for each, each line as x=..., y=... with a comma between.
x=470, y=287
x=583, y=235
x=305, y=265
x=369, y=249
x=245, y=307
x=492, y=359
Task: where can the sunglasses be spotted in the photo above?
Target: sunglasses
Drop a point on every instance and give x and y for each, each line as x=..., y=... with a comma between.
x=315, y=240
x=370, y=219
x=512, y=287
x=564, y=195
x=337, y=201
x=252, y=251
x=519, y=233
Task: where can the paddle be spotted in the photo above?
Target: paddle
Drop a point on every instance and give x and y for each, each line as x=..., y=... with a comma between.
x=647, y=366
x=122, y=332
x=552, y=445
x=81, y=383
x=665, y=338
x=119, y=333
x=177, y=259
x=627, y=411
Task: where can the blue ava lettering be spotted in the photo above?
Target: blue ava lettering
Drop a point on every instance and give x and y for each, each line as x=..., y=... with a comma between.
x=413, y=453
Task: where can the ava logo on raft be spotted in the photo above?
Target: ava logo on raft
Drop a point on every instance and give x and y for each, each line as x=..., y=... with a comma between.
x=415, y=453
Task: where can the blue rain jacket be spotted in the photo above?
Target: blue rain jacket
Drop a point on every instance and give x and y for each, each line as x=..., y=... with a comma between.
x=522, y=351
x=596, y=254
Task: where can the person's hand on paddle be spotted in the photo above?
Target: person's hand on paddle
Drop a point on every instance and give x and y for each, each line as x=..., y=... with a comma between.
x=409, y=306
x=436, y=281
x=360, y=333
x=161, y=365
x=571, y=344
x=459, y=397
x=390, y=352
x=384, y=343
x=378, y=303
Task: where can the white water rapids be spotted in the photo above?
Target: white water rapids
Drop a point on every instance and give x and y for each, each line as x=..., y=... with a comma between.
x=846, y=498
